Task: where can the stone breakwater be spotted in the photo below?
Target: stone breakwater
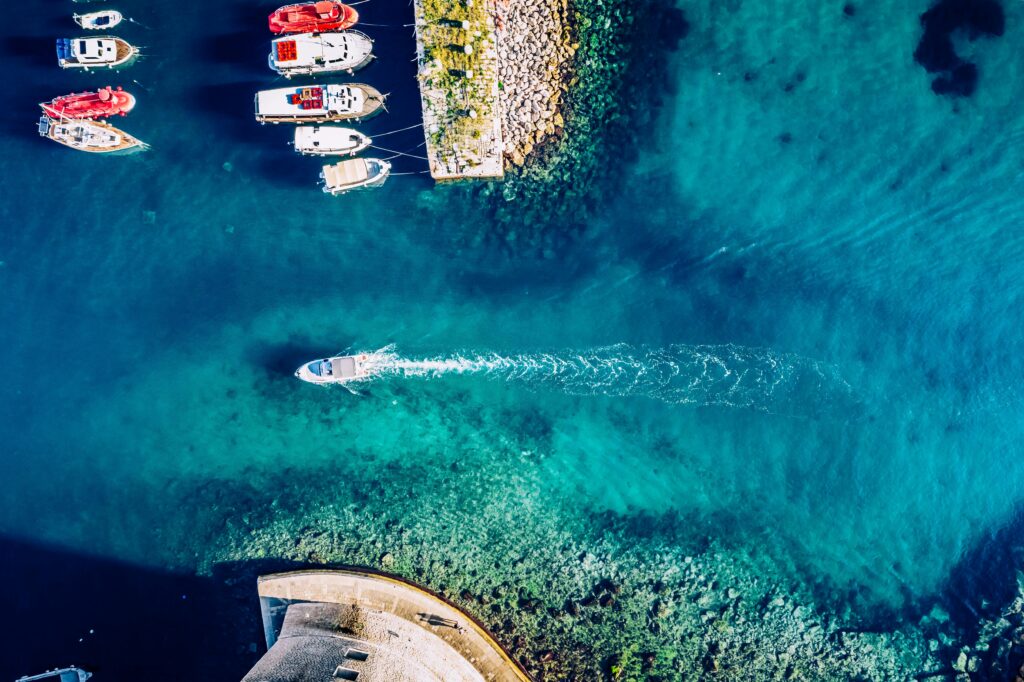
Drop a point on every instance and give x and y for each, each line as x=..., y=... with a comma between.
x=535, y=50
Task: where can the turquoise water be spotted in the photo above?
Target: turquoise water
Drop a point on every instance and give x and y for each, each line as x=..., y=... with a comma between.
x=800, y=209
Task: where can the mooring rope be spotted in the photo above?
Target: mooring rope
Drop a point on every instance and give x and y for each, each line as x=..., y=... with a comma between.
x=392, y=151
x=411, y=173
x=400, y=130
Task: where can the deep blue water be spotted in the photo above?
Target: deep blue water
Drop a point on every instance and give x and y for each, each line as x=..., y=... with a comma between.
x=800, y=199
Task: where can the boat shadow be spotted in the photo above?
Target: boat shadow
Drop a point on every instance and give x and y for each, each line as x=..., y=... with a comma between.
x=36, y=50
x=280, y=360
x=245, y=49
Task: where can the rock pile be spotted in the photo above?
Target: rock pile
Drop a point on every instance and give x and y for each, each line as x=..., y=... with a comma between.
x=535, y=48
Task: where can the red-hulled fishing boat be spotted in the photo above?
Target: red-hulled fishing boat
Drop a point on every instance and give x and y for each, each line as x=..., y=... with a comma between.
x=104, y=102
x=313, y=17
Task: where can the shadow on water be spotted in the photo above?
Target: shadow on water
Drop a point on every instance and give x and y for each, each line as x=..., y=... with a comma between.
x=244, y=49
x=36, y=50
x=121, y=621
x=279, y=360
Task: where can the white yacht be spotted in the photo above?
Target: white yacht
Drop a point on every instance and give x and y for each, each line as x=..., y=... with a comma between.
x=351, y=174
x=329, y=141
x=318, y=103
x=89, y=136
x=341, y=369
x=91, y=53
x=97, y=21
x=310, y=53
x=70, y=674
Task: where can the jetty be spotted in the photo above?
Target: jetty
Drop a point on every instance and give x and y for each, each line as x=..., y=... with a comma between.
x=458, y=75
x=361, y=625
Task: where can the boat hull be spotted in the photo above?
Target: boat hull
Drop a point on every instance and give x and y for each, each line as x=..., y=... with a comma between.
x=310, y=54
x=124, y=55
x=305, y=18
x=342, y=369
x=103, y=103
x=373, y=104
x=311, y=141
x=85, y=135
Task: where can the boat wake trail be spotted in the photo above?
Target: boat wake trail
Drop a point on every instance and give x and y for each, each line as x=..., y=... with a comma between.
x=723, y=375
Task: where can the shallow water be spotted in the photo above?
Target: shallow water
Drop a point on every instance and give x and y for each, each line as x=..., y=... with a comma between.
x=801, y=195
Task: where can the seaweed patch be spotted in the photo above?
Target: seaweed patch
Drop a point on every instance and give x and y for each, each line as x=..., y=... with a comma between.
x=935, y=51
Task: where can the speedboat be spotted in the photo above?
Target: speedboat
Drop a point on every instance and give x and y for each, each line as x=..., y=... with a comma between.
x=96, y=21
x=351, y=174
x=70, y=674
x=318, y=103
x=89, y=53
x=313, y=17
x=329, y=141
x=89, y=136
x=311, y=53
x=103, y=103
x=341, y=369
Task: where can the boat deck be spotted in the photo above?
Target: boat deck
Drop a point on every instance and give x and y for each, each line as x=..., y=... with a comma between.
x=461, y=114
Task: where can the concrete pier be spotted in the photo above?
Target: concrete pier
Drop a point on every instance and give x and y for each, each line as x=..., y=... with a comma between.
x=457, y=56
x=355, y=625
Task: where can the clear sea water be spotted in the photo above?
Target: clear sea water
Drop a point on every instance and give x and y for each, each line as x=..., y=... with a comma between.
x=800, y=207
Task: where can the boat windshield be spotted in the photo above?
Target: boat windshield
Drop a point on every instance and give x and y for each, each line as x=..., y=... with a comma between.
x=318, y=368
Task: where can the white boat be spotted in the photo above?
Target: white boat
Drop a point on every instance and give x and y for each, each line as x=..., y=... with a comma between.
x=309, y=53
x=341, y=369
x=89, y=53
x=329, y=141
x=318, y=103
x=351, y=174
x=96, y=21
x=70, y=674
x=88, y=136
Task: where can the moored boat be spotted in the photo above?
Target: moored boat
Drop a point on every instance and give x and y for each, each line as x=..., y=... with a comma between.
x=69, y=674
x=313, y=17
x=89, y=136
x=90, y=53
x=340, y=369
x=318, y=103
x=329, y=141
x=351, y=174
x=310, y=53
x=97, y=21
x=103, y=103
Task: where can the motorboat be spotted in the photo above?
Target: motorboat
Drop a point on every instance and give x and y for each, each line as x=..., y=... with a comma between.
x=97, y=21
x=89, y=136
x=102, y=103
x=329, y=141
x=90, y=53
x=341, y=369
x=318, y=103
x=69, y=674
x=313, y=17
x=310, y=53
x=351, y=174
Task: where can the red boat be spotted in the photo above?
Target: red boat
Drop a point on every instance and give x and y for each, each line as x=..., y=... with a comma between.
x=313, y=17
x=100, y=104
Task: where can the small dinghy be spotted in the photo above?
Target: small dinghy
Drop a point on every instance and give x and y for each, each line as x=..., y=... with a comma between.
x=311, y=53
x=89, y=136
x=318, y=103
x=329, y=141
x=351, y=174
x=97, y=21
x=90, y=53
x=341, y=369
x=103, y=103
x=312, y=17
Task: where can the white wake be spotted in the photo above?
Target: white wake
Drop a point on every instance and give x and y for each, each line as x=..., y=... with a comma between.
x=679, y=374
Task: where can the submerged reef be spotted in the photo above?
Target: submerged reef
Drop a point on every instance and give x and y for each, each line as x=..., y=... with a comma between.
x=936, y=53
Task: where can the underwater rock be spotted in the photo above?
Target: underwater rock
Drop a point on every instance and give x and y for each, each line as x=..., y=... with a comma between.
x=935, y=51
